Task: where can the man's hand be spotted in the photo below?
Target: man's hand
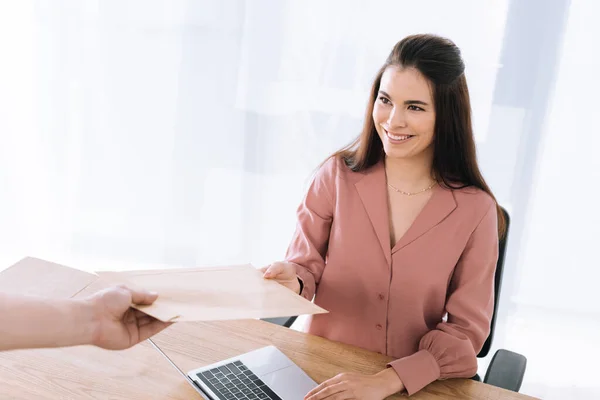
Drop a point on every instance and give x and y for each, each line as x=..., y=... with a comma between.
x=117, y=326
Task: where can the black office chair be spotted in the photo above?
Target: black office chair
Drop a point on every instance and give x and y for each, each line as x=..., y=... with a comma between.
x=506, y=370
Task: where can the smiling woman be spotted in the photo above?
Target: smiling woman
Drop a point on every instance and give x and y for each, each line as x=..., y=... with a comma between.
x=420, y=100
x=399, y=229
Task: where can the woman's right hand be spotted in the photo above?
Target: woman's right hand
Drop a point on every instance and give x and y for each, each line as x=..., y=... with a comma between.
x=283, y=273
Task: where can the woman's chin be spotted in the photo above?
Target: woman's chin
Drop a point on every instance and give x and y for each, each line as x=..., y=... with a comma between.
x=396, y=153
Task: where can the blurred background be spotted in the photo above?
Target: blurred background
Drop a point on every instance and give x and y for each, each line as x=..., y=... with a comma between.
x=183, y=133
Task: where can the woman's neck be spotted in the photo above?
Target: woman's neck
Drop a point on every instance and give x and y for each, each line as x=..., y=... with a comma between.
x=409, y=174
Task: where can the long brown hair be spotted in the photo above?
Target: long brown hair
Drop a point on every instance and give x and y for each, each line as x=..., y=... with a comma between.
x=454, y=155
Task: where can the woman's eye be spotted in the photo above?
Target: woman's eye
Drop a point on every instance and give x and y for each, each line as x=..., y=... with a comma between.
x=415, y=108
x=384, y=100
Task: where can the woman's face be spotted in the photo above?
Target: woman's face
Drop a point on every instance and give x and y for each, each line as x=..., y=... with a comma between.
x=404, y=113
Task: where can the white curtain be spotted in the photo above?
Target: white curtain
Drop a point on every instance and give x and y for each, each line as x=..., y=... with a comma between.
x=181, y=133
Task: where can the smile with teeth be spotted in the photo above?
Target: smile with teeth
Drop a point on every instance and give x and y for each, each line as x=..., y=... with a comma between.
x=397, y=137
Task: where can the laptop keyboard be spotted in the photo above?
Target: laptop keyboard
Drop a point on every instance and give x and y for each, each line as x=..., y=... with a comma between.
x=234, y=381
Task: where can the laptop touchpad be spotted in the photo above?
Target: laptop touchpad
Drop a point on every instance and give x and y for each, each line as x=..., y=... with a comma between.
x=289, y=383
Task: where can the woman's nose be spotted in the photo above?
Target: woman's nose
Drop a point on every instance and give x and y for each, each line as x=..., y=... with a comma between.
x=396, y=118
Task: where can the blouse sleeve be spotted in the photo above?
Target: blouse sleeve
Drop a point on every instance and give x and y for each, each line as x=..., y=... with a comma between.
x=309, y=243
x=450, y=350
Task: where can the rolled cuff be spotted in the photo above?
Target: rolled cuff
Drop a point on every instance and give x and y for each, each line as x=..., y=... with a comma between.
x=416, y=371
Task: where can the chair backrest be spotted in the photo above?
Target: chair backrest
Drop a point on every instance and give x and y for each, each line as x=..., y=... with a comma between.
x=497, y=286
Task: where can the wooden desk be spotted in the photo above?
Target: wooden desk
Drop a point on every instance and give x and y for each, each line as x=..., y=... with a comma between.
x=86, y=372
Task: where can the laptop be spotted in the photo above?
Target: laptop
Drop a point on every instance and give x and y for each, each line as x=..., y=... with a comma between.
x=261, y=374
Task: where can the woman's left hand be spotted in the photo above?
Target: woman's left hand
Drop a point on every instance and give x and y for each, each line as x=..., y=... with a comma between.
x=358, y=386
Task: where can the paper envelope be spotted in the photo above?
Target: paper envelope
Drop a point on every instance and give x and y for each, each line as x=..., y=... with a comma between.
x=213, y=293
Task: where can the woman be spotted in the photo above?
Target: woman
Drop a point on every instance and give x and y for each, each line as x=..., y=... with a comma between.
x=398, y=233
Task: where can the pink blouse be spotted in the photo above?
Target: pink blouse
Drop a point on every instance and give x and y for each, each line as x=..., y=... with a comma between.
x=394, y=300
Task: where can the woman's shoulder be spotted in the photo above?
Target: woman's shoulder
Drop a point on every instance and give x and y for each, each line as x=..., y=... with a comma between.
x=472, y=198
x=335, y=167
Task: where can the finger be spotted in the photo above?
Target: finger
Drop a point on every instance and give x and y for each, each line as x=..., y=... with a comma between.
x=128, y=287
x=329, y=382
x=145, y=320
x=337, y=389
x=152, y=328
x=129, y=316
x=264, y=269
x=140, y=314
x=142, y=297
x=273, y=270
x=345, y=395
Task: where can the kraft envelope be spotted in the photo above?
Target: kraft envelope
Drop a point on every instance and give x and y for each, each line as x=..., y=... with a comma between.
x=213, y=293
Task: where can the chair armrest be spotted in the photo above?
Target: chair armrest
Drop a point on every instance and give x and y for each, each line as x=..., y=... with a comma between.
x=283, y=321
x=506, y=370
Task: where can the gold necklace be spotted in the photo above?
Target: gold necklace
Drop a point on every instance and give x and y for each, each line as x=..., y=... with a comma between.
x=414, y=193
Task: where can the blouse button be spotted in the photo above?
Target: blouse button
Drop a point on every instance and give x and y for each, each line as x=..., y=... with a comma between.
x=379, y=327
x=381, y=296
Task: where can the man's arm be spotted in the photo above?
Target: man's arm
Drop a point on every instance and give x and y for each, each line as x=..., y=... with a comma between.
x=104, y=319
x=38, y=322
